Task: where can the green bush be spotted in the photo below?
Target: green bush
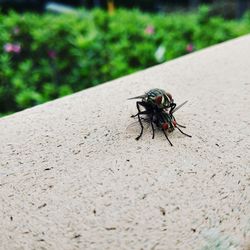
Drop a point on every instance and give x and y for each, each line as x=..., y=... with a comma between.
x=46, y=56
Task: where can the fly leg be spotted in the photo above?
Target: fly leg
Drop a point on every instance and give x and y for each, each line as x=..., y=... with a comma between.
x=183, y=132
x=140, y=113
x=162, y=119
x=180, y=125
x=150, y=120
x=172, y=108
x=167, y=137
x=152, y=125
x=139, y=119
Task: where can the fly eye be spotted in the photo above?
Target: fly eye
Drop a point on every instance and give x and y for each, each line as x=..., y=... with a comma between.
x=158, y=99
x=165, y=126
x=170, y=97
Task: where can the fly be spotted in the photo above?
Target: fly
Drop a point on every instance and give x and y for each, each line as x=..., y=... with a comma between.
x=158, y=109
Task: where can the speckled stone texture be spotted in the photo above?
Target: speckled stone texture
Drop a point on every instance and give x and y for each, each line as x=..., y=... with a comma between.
x=72, y=176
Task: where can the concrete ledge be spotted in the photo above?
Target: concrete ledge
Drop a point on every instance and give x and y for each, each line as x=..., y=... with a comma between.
x=73, y=177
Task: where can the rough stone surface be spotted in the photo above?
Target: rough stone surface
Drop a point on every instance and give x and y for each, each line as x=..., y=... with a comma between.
x=72, y=176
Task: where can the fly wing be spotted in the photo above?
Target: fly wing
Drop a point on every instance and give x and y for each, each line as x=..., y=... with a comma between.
x=178, y=107
x=134, y=128
x=137, y=97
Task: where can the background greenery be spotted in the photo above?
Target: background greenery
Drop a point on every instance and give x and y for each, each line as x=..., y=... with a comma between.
x=46, y=56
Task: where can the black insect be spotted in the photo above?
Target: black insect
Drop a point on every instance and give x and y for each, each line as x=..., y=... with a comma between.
x=158, y=109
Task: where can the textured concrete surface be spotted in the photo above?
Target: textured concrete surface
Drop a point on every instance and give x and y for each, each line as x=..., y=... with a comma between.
x=73, y=177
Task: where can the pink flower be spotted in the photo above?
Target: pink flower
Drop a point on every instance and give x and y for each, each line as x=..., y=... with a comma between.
x=149, y=30
x=52, y=54
x=12, y=48
x=190, y=47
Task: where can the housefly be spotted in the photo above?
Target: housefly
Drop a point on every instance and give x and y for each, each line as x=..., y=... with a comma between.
x=157, y=107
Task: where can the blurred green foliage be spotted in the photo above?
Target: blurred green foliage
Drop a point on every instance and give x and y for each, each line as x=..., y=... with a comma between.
x=46, y=56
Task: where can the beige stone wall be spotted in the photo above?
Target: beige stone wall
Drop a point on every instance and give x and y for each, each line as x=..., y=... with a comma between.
x=73, y=177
